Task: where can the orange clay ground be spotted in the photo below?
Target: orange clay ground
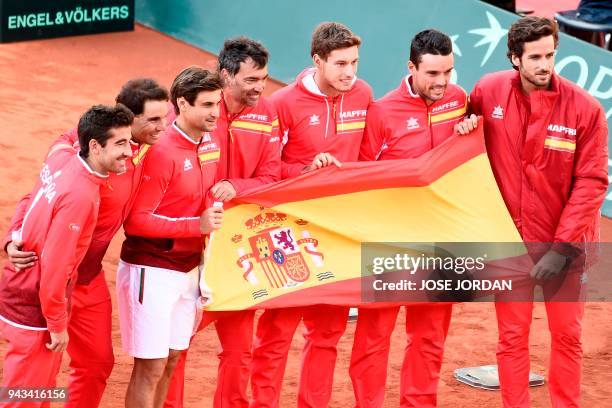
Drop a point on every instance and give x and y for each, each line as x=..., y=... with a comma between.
x=46, y=85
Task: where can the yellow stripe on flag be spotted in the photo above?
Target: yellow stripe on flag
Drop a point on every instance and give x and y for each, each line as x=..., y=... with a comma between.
x=340, y=127
x=448, y=115
x=275, y=122
x=557, y=143
x=240, y=124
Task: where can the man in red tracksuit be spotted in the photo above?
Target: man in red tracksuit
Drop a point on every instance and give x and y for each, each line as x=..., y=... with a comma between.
x=90, y=348
x=58, y=224
x=547, y=142
x=157, y=277
x=407, y=122
x=247, y=131
x=322, y=117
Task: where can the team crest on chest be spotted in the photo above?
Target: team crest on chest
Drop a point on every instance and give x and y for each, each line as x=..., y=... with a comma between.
x=498, y=112
x=412, y=123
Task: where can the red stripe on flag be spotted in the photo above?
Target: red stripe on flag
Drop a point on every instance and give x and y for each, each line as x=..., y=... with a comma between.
x=364, y=176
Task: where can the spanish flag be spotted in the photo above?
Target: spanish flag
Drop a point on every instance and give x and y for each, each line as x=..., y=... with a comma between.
x=299, y=241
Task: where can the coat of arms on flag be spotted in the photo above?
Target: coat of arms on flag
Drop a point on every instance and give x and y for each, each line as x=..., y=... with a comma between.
x=281, y=255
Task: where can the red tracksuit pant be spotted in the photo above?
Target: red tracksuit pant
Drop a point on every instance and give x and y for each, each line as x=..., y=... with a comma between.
x=565, y=325
x=235, y=332
x=90, y=349
x=90, y=344
x=28, y=362
x=324, y=326
x=426, y=329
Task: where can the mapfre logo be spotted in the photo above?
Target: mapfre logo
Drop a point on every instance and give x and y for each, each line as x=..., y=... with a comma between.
x=561, y=129
x=353, y=114
x=447, y=105
x=254, y=116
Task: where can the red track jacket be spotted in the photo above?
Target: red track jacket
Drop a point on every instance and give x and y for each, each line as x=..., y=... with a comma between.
x=116, y=196
x=58, y=225
x=250, y=146
x=400, y=124
x=163, y=227
x=312, y=123
x=549, y=154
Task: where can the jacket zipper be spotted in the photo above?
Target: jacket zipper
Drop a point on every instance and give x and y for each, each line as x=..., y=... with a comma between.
x=431, y=144
x=326, y=119
x=341, y=110
x=334, y=110
x=197, y=158
x=230, y=140
x=334, y=116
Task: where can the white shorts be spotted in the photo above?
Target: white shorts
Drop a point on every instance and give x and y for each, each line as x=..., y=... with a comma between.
x=157, y=309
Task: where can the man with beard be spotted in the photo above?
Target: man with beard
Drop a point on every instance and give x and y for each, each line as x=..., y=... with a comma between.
x=157, y=277
x=90, y=325
x=407, y=122
x=322, y=117
x=58, y=224
x=247, y=131
x=547, y=142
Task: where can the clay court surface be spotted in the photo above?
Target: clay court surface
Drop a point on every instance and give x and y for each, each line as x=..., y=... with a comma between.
x=46, y=85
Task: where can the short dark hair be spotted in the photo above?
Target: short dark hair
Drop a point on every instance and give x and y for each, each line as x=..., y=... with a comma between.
x=429, y=41
x=528, y=29
x=239, y=49
x=190, y=82
x=330, y=36
x=96, y=123
x=136, y=92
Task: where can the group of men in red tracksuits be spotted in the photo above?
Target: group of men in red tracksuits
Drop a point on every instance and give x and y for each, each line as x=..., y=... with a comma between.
x=546, y=140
